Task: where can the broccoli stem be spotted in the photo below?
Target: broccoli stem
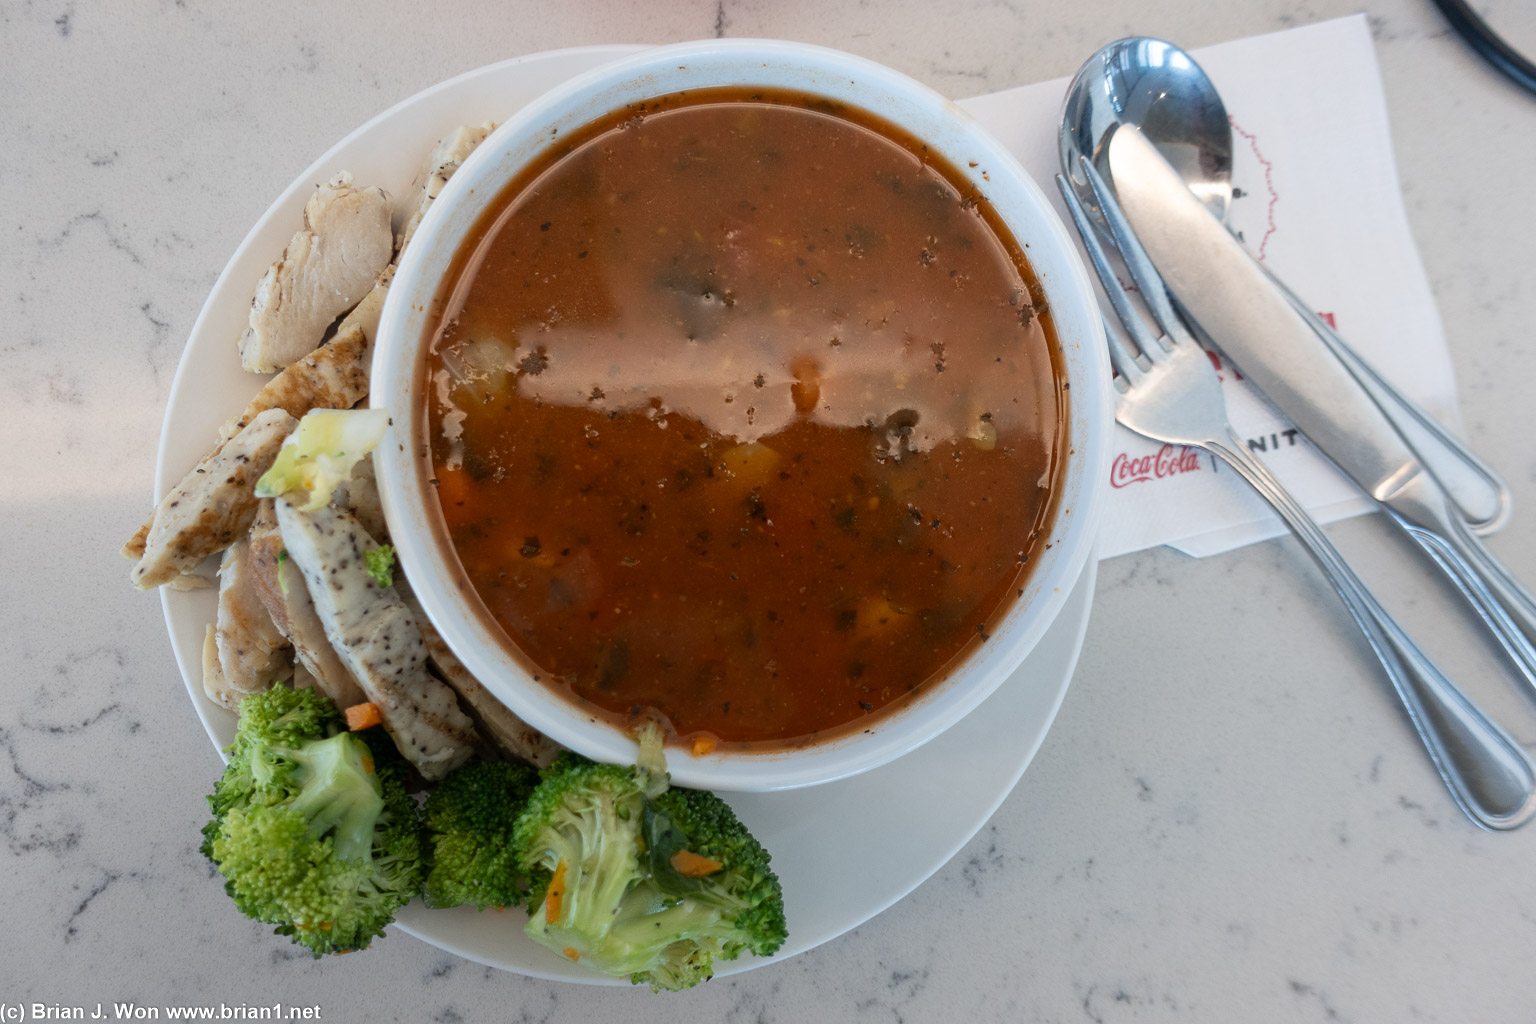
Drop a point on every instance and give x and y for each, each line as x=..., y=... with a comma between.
x=650, y=930
x=601, y=860
x=643, y=930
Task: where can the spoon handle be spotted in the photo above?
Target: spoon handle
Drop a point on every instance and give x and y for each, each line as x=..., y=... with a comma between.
x=1480, y=496
x=1504, y=605
x=1489, y=774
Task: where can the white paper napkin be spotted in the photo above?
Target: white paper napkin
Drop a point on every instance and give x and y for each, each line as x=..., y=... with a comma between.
x=1319, y=203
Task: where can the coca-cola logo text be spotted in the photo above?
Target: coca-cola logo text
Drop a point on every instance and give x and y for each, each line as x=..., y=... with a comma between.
x=1169, y=460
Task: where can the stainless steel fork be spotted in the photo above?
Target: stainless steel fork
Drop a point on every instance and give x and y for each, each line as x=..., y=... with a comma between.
x=1168, y=391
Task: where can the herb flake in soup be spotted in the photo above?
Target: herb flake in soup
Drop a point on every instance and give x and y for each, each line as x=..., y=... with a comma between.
x=744, y=409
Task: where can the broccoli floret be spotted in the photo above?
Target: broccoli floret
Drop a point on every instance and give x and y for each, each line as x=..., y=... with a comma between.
x=579, y=840
x=653, y=886
x=469, y=819
x=381, y=564
x=270, y=722
x=312, y=828
x=743, y=892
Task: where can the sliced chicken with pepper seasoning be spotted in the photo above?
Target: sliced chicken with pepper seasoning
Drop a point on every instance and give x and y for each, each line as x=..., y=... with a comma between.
x=336, y=375
x=212, y=506
x=327, y=268
x=359, y=495
x=333, y=376
x=214, y=684
x=303, y=680
x=377, y=638
x=511, y=734
x=366, y=314
x=451, y=151
x=133, y=549
x=285, y=595
x=252, y=653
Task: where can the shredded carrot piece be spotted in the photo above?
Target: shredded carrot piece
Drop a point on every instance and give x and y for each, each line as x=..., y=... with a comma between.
x=368, y=764
x=703, y=745
x=692, y=865
x=555, y=895
x=363, y=716
x=571, y=954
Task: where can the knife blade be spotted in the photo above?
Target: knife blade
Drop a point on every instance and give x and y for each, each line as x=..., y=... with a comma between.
x=1229, y=296
x=1234, y=302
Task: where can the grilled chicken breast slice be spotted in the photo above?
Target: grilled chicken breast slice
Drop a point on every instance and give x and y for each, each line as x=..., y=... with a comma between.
x=214, y=684
x=359, y=495
x=511, y=735
x=377, y=638
x=252, y=653
x=333, y=376
x=451, y=151
x=212, y=506
x=330, y=264
x=365, y=315
x=285, y=595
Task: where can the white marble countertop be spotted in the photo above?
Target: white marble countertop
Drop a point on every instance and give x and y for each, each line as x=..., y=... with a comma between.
x=1230, y=820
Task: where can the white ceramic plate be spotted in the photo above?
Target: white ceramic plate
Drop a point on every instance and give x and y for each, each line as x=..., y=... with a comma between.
x=844, y=851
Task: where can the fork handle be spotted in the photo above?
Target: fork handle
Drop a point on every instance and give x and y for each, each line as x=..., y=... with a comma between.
x=1491, y=776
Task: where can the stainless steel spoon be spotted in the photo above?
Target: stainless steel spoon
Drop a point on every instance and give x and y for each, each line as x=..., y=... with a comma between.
x=1159, y=88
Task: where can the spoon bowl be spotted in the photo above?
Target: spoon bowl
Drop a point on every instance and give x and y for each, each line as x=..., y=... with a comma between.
x=1160, y=89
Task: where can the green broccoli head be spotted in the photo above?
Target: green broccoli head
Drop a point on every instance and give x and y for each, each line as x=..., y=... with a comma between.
x=313, y=830
x=270, y=722
x=579, y=840
x=697, y=824
x=469, y=819
x=653, y=887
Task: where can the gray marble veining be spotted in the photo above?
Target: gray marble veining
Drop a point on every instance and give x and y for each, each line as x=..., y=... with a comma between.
x=1227, y=822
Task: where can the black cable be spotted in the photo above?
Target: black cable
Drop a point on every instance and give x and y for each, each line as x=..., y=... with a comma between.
x=1487, y=42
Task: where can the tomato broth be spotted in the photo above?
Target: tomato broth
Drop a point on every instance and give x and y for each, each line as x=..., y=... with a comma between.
x=745, y=411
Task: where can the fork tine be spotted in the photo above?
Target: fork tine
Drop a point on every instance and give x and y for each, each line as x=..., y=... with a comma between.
x=1148, y=281
x=1130, y=319
x=1124, y=362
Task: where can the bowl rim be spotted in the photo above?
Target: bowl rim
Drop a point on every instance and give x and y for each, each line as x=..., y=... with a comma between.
x=523, y=138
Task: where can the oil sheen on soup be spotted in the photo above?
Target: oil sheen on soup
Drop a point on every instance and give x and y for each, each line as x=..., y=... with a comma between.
x=745, y=415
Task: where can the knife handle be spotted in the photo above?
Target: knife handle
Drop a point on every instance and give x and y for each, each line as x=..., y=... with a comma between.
x=1479, y=495
x=1490, y=775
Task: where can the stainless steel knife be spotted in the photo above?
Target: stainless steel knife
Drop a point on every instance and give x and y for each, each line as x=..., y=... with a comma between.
x=1234, y=302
